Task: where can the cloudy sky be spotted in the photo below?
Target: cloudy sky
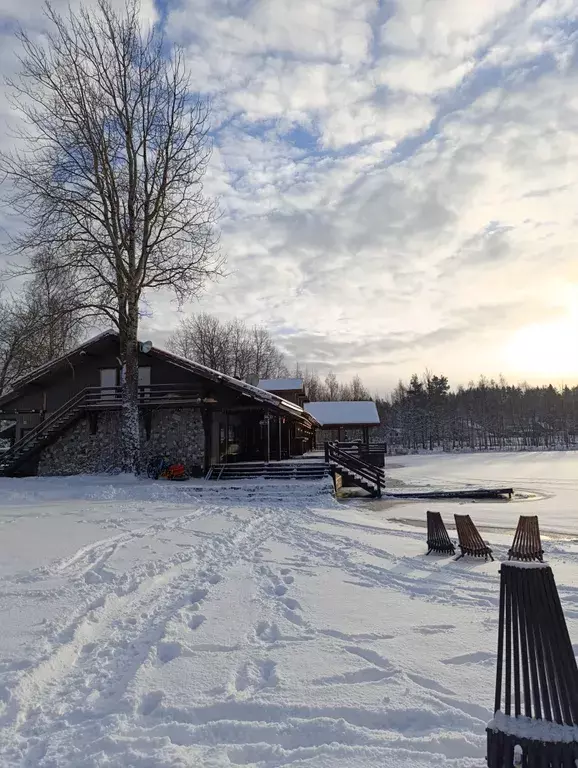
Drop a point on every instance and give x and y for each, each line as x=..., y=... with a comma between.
x=398, y=178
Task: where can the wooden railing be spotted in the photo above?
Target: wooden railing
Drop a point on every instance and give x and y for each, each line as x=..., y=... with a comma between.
x=96, y=398
x=71, y=406
x=150, y=394
x=336, y=455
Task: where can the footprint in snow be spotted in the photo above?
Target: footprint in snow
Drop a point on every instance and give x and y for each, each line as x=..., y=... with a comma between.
x=150, y=702
x=196, y=621
x=255, y=675
x=367, y=675
x=367, y=654
x=268, y=633
x=479, y=657
x=197, y=595
x=431, y=685
x=292, y=604
x=434, y=629
x=214, y=578
x=168, y=651
x=280, y=590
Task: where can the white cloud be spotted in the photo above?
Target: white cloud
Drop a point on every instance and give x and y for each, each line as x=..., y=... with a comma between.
x=398, y=190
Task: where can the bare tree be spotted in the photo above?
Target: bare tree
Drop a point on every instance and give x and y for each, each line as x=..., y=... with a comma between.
x=358, y=389
x=332, y=386
x=110, y=176
x=229, y=347
x=201, y=338
x=42, y=322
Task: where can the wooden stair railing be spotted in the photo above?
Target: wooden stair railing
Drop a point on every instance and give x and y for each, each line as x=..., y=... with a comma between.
x=536, y=698
x=364, y=475
x=31, y=440
x=92, y=398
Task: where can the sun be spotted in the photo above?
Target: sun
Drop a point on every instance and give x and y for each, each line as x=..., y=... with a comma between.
x=545, y=349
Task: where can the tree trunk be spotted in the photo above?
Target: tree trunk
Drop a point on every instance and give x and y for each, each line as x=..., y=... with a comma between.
x=130, y=427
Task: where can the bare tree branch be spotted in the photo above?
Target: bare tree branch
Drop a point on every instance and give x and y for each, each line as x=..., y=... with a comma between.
x=109, y=176
x=232, y=348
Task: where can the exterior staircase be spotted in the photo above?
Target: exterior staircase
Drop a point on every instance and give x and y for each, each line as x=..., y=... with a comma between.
x=89, y=399
x=345, y=465
x=43, y=434
x=276, y=470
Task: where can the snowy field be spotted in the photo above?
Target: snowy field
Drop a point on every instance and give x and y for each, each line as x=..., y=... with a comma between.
x=156, y=624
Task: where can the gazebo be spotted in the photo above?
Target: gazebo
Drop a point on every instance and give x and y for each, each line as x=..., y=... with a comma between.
x=344, y=420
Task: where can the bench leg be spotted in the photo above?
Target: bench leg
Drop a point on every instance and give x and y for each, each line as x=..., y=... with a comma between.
x=427, y=553
x=491, y=558
x=459, y=557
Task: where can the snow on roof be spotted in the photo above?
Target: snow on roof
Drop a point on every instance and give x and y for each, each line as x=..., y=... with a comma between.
x=251, y=391
x=354, y=412
x=280, y=385
x=203, y=370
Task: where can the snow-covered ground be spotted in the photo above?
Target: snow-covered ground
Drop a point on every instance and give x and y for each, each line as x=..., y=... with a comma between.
x=161, y=624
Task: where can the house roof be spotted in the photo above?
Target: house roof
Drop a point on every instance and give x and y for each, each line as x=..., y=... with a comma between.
x=281, y=385
x=249, y=390
x=260, y=395
x=360, y=413
x=38, y=373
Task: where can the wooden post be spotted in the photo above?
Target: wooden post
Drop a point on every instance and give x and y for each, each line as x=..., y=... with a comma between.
x=279, y=427
x=207, y=417
x=268, y=420
x=339, y=434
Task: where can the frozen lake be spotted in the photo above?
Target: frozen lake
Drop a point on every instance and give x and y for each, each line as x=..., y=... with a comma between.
x=552, y=477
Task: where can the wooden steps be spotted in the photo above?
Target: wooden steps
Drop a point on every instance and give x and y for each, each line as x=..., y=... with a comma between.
x=279, y=470
x=354, y=471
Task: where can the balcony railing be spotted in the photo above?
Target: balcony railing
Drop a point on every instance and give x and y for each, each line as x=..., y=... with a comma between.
x=157, y=395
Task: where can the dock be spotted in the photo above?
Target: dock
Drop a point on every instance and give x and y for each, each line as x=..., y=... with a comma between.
x=470, y=493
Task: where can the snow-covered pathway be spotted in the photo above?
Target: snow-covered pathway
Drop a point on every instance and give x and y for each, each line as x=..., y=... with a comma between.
x=281, y=631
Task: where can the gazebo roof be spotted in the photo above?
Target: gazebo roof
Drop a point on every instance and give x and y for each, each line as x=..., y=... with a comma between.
x=354, y=413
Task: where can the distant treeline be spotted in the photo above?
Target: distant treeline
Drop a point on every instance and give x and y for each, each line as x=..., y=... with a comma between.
x=426, y=414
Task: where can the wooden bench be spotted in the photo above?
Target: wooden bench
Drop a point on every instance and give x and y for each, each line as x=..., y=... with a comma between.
x=438, y=539
x=536, y=701
x=526, y=544
x=469, y=539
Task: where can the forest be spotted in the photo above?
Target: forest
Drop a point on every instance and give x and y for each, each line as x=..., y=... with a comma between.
x=427, y=414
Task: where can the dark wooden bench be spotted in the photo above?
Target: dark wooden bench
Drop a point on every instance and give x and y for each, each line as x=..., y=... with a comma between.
x=438, y=539
x=469, y=539
x=526, y=544
x=536, y=703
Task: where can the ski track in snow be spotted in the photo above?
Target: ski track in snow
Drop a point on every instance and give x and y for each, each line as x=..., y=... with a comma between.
x=252, y=600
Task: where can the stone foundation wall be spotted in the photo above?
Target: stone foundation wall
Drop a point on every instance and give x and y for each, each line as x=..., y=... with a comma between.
x=175, y=433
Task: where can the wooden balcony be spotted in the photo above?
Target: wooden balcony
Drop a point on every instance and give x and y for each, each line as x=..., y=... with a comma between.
x=150, y=396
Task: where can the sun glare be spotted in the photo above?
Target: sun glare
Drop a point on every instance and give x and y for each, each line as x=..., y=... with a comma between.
x=545, y=349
